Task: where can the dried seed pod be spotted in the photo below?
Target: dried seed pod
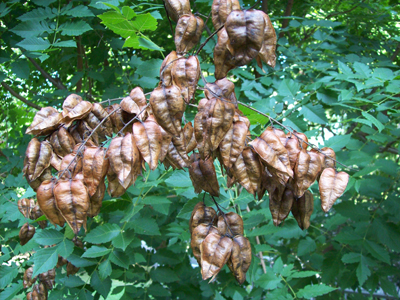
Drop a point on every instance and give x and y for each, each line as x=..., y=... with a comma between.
x=222, y=88
x=314, y=169
x=223, y=59
x=165, y=142
x=46, y=201
x=61, y=261
x=240, y=117
x=55, y=161
x=79, y=134
x=95, y=117
x=85, y=131
x=116, y=117
x=25, y=206
x=26, y=233
x=45, y=121
x=302, y=209
x=73, y=164
x=78, y=243
x=291, y=143
x=166, y=68
x=300, y=172
x=230, y=224
x=129, y=106
x=72, y=200
x=280, y=209
x=240, y=259
x=94, y=167
x=74, y=108
x=148, y=140
x=190, y=139
x=199, y=233
x=326, y=155
x=39, y=292
x=46, y=175
x=96, y=200
x=203, y=176
x=185, y=74
x=202, y=214
x=215, y=252
x=221, y=9
x=332, y=185
x=63, y=143
x=138, y=97
x=48, y=278
x=201, y=135
x=168, y=107
x=29, y=296
x=174, y=157
x=177, y=8
x=303, y=140
x=71, y=269
x=188, y=32
x=37, y=159
x=36, y=214
x=28, y=280
x=233, y=143
x=267, y=51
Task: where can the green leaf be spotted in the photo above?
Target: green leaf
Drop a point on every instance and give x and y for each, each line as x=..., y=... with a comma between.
x=268, y=281
x=79, y=12
x=72, y=281
x=350, y=258
x=103, y=233
x=179, y=179
x=362, y=271
x=144, y=22
x=132, y=42
x=43, y=3
x=105, y=269
x=124, y=28
x=77, y=261
x=306, y=246
x=44, y=260
x=31, y=29
x=34, y=44
x=314, y=113
x=377, y=251
x=311, y=291
x=146, y=43
x=112, y=17
x=65, y=248
x=187, y=207
x=303, y=274
x=373, y=120
x=120, y=259
x=147, y=226
x=149, y=68
x=123, y=239
x=65, y=44
x=388, y=286
x=362, y=69
x=163, y=274
x=345, y=69
x=288, y=87
x=11, y=291
x=337, y=142
x=75, y=28
x=48, y=237
x=37, y=14
x=7, y=275
x=101, y=286
x=128, y=12
x=96, y=251
x=84, y=295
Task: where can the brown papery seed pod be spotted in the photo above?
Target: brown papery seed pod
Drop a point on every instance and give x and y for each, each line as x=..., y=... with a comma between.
x=46, y=201
x=188, y=33
x=280, y=208
x=190, y=139
x=221, y=9
x=326, y=156
x=74, y=162
x=45, y=121
x=165, y=142
x=48, y=278
x=97, y=115
x=46, y=175
x=240, y=259
x=222, y=88
x=201, y=135
x=302, y=210
x=96, y=200
x=203, y=176
x=177, y=8
x=291, y=143
x=166, y=68
x=301, y=170
x=202, y=214
x=233, y=143
x=230, y=224
x=37, y=159
x=223, y=59
x=94, y=167
x=37, y=213
x=63, y=143
x=25, y=206
x=185, y=74
x=26, y=233
x=79, y=135
x=28, y=280
x=39, y=292
x=332, y=185
x=116, y=117
x=199, y=233
x=71, y=269
x=75, y=109
x=267, y=51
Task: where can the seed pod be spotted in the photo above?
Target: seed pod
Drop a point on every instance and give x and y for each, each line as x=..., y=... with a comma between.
x=280, y=209
x=46, y=201
x=202, y=214
x=85, y=131
x=62, y=142
x=188, y=132
x=201, y=135
x=80, y=133
x=25, y=206
x=199, y=233
x=314, y=169
x=177, y=8
x=215, y=252
x=37, y=159
x=240, y=117
x=26, y=233
x=138, y=97
x=148, y=140
x=48, y=278
x=332, y=185
x=326, y=155
x=116, y=117
x=302, y=209
x=240, y=259
x=39, y=292
x=28, y=280
x=130, y=107
x=188, y=32
x=302, y=139
x=61, y=261
x=165, y=142
x=94, y=167
x=203, y=176
x=168, y=107
x=74, y=168
x=220, y=10
x=72, y=201
x=233, y=143
x=45, y=121
x=222, y=88
x=71, y=269
x=176, y=156
x=300, y=172
x=166, y=68
x=230, y=224
x=291, y=143
x=29, y=296
x=96, y=200
x=75, y=109
x=267, y=51
x=37, y=213
x=185, y=74
x=95, y=117
x=223, y=59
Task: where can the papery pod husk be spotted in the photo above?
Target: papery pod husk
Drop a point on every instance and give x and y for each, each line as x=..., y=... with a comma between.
x=166, y=68
x=96, y=200
x=130, y=109
x=26, y=232
x=278, y=132
x=240, y=117
x=176, y=155
x=332, y=185
x=230, y=224
x=166, y=139
x=95, y=117
x=273, y=185
x=94, y=167
x=199, y=233
x=39, y=292
x=233, y=143
x=61, y=262
x=25, y=206
x=74, y=108
x=314, y=169
x=80, y=136
x=201, y=136
x=148, y=140
x=280, y=208
x=29, y=296
x=268, y=48
x=215, y=252
x=63, y=143
x=37, y=158
x=78, y=243
x=303, y=140
x=116, y=117
x=74, y=168
x=28, y=280
x=223, y=59
x=254, y=168
x=221, y=9
x=302, y=209
x=177, y=8
x=71, y=269
x=36, y=214
x=202, y=214
x=190, y=139
x=188, y=32
x=203, y=176
x=45, y=121
x=48, y=278
x=185, y=74
x=326, y=155
x=301, y=170
x=72, y=200
x=55, y=162
x=222, y=88
x=291, y=143
x=138, y=97
x=240, y=259
x=47, y=204
x=217, y=119
x=168, y=107
x=85, y=131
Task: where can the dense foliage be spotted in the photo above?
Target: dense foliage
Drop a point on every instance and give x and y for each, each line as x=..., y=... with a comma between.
x=336, y=79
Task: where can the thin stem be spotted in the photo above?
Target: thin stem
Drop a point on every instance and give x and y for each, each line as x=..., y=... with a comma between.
x=209, y=38
x=294, y=294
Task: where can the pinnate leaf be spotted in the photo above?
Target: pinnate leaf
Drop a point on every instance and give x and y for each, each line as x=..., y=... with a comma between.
x=103, y=233
x=311, y=291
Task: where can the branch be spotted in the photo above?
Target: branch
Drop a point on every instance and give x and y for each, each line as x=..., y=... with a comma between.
x=343, y=12
x=79, y=66
x=395, y=53
x=16, y=95
x=54, y=81
x=264, y=6
x=288, y=12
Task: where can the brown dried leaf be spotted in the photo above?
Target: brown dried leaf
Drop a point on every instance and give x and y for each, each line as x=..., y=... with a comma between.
x=280, y=208
x=75, y=109
x=63, y=143
x=332, y=185
x=302, y=210
x=190, y=139
x=215, y=252
x=267, y=51
x=72, y=200
x=37, y=159
x=26, y=233
x=230, y=224
x=202, y=214
x=45, y=121
x=203, y=176
x=233, y=143
x=188, y=32
x=199, y=233
x=46, y=201
x=177, y=8
x=94, y=169
x=28, y=280
x=48, y=278
x=221, y=9
x=240, y=259
x=25, y=206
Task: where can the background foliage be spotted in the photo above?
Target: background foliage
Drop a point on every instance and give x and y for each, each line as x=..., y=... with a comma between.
x=337, y=79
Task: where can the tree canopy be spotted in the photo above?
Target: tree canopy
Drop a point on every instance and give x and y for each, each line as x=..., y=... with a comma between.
x=336, y=79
